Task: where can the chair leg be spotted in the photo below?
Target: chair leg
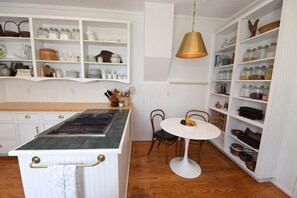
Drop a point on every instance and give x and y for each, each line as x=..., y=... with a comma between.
x=152, y=145
x=199, y=151
x=166, y=153
x=159, y=144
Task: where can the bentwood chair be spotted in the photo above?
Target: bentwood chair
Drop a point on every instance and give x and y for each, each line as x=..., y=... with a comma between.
x=156, y=116
x=199, y=115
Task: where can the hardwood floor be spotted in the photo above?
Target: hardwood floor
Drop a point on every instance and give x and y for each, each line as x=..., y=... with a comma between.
x=220, y=177
x=150, y=177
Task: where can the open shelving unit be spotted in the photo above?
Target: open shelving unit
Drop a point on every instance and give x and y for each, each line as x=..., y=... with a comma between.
x=111, y=35
x=267, y=11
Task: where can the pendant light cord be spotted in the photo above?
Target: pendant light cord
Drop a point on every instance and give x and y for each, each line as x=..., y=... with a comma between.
x=194, y=12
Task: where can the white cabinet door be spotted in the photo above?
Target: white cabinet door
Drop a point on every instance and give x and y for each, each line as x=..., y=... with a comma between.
x=28, y=131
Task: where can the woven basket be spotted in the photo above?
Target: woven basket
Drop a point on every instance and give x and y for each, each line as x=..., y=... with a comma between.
x=269, y=27
x=21, y=32
x=11, y=33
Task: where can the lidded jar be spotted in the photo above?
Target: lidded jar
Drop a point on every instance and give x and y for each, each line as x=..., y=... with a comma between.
x=245, y=91
x=271, y=50
x=225, y=74
x=257, y=92
x=256, y=73
x=229, y=75
x=75, y=34
x=265, y=94
x=53, y=33
x=220, y=75
x=248, y=55
x=262, y=51
x=244, y=74
x=65, y=34
x=268, y=73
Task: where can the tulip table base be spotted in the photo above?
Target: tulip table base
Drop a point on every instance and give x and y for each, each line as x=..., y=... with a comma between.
x=185, y=167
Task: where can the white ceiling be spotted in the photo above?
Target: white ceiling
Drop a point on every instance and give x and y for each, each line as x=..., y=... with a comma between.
x=205, y=8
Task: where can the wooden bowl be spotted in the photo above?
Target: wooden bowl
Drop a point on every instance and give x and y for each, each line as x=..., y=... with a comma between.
x=269, y=26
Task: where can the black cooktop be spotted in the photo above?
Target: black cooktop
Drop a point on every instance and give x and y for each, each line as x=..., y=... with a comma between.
x=87, y=123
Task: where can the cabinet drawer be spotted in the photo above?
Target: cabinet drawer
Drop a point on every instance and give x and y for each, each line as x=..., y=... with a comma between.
x=57, y=116
x=7, y=131
x=7, y=145
x=27, y=117
x=6, y=116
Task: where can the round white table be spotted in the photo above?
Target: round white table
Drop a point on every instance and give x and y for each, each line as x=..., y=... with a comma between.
x=183, y=166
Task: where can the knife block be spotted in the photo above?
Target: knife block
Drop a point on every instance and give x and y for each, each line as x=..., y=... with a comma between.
x=114, y=104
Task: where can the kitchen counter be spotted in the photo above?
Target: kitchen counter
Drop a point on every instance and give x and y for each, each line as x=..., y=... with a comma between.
x=107, y=179
x=55, y=106
x=110, y=141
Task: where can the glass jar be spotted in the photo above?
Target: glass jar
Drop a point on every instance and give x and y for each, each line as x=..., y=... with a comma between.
x=262, y=72
x=254, y=54
x=265, y=94
x=256, y=93
x=250, y=72
x=229, y=76
x=220, y=75
x=244, y=74
x=245, y=91
x=53, y=33
x=268, y=73
x=248, y=55
x=75, y=34
x=225, y=74
x=262, y=51
x=256, y=73
x=65, y=34
x=271, y=50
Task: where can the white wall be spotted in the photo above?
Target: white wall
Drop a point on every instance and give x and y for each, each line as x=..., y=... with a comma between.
x=175, y=99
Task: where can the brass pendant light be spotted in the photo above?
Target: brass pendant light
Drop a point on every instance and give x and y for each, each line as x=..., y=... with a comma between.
x=192, y=45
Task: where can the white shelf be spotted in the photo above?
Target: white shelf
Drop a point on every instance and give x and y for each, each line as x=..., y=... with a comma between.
x=14, y=60
x=264, y=60
x=246, y=145
x=227, y=49
x=222, y=110
x=258, y=123
x=218, y=142
x=58, y=41
x=14, y=39
x=222, y=95
x=253, y=81
x=107, y=42
x=224, y=66
x=60, y=62
x=96, y=63
x=222, y=81
x=261, y=37
x=249, y=99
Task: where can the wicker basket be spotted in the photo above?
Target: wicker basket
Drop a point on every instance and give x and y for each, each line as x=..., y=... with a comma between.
x=21, y=32
x=218, y=119
x=11, y=33
x=269, y=27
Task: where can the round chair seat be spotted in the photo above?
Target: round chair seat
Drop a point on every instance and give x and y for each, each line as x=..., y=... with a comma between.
x=164, y=135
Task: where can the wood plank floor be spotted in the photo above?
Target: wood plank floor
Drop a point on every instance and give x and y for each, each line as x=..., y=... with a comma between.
x=150, y=177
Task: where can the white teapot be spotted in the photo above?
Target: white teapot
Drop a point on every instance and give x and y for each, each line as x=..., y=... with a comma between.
x=115, y=58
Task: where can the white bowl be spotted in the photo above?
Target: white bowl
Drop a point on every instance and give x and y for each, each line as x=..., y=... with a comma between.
x=187, y=127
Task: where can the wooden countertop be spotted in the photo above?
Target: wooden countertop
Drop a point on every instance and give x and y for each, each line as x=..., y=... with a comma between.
x=55, y=106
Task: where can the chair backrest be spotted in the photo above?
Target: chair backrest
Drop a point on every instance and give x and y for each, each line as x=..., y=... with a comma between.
x=156, y=115
x=200, y=114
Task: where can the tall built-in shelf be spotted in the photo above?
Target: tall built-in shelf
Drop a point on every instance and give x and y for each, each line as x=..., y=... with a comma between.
x=267, y=12
x=74, y=53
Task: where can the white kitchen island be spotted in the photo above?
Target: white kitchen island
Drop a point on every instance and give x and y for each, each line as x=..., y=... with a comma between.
x=108, y=179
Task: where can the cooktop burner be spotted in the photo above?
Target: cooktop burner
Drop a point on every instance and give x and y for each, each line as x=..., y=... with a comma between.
x=88, y=123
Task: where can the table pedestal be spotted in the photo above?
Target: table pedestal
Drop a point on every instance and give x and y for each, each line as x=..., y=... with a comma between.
x=185, y=167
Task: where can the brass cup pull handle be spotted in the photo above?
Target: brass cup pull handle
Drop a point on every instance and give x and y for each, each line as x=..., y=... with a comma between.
x=27, y=116
x=61, y=117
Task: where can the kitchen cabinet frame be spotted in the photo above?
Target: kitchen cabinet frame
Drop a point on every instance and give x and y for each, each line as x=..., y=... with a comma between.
x=121, y=28
x=267, y=12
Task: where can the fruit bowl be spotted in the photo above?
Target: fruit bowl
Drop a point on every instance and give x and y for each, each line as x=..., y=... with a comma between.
x=187, y=127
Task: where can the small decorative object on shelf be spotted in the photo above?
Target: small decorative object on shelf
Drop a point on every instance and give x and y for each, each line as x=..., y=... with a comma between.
x=269, y=26
x=253, y=27
x=218, y=105
x=226, y=105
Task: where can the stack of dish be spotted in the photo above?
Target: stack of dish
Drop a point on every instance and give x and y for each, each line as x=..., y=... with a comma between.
x=94, y=73
x=72, y=74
